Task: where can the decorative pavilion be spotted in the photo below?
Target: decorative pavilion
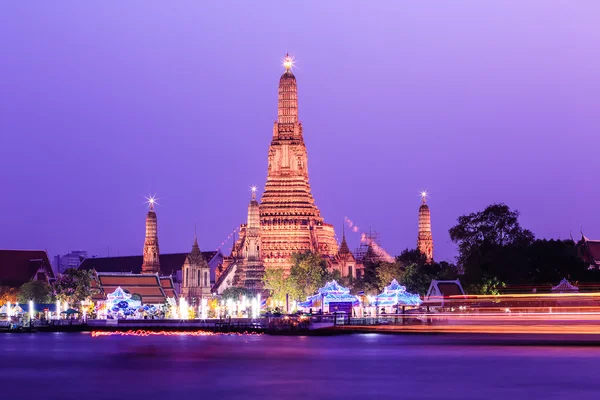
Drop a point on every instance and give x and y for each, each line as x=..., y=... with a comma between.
x=396, y=295
x=331, y=297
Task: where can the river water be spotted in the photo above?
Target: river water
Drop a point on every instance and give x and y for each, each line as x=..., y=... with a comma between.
x=368, y=366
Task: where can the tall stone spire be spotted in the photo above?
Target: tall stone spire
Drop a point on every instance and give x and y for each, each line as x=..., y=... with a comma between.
x=287, y=110
x=253, y=269
x=290, y=222
x=425, y=240
x=151, y=264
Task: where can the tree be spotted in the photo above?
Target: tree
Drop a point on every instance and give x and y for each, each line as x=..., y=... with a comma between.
x=549, y=261
x=8, y=294
x=36, y=291
x=236, y=293
x=278, y=283
x=410, y=257
x=489, y=286
x=491, y=244
x=74, y=286
x=308, y=274
x=387, y=271
x=417, y=278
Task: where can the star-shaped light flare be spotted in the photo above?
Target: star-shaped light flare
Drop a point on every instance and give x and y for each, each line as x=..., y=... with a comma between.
x=288, y=62
x=151, y=201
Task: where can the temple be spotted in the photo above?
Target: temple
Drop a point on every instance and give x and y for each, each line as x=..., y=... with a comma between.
x=286, y=221
x=151, y=263
x=425, y=240
x=290, y=222
x=589, y=251
x=195, y=276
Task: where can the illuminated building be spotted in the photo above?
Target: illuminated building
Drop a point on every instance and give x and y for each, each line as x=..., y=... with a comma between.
x=290, y=222
x=250, y=270
x=151, y=263
x=425, y=240
x=195, y=276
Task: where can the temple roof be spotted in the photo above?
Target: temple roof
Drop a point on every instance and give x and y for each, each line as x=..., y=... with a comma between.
x=344, y=246
x=154, y=290
x=589, y=251
x=287, y=75
x=20, y=266
x=195, y=255
x=565, y=286
x=169, y=263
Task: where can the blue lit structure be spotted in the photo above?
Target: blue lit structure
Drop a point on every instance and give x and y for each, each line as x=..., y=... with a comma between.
x=396, y=294
x=332, y=292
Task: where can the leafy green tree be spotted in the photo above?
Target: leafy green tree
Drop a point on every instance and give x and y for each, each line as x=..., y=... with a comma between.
x=489, y=286
x=549, y=261
x=417, y=278
x=387, y=271
x=410, y=257
x=8, y=294
x=37, y=291
x=74, y=286
x=308, y=273
x=236, y=293
x=369, y=282
x=491, y=244
x=277, y=282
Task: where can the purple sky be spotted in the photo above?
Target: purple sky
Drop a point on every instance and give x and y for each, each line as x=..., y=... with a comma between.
x=476, y=102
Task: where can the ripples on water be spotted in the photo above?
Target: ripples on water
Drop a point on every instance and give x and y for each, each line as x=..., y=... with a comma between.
x=370, y=366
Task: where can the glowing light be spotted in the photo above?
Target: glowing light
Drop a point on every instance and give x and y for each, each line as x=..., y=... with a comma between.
x=8, y=310
x=288, y=62
x=57, y=309
x=31, y=311
x=151, y=201
x=424, y=194
x=142, y=332
x=253, y=189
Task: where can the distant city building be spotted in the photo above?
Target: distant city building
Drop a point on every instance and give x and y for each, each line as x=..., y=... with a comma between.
x=18, y=267
x=425, y=240
x=70, y=260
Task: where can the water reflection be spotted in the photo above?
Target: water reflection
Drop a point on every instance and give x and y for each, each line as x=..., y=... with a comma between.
x=76, y=366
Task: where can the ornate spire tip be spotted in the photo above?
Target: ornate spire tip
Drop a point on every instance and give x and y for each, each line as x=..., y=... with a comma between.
x=151, y=201
x=288, y=62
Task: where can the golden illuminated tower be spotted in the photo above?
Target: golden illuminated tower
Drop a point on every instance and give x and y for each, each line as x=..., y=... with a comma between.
x=290, y=222
x=151, y=264
x=425, y=240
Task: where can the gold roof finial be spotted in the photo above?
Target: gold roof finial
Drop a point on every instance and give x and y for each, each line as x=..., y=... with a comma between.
x=288, y=62
x=424, y=196
x=151, y=201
